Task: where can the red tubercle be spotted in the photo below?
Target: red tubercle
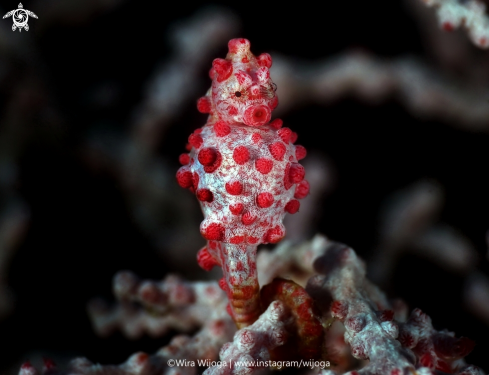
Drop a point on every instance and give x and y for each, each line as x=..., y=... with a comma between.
x=204, y=195
x=292, y=206
x=296, y=173
x=195, y=140
x=184, y=177
x=216, y=164
x=236, y=239
x=188, y=147
x=275, y=234
x=265, y=60
x=302, y=190
x=207, y=156
x=234, y=187
x=223, y=69
x=264, y=165
x=204, y=105
x=284, y=134
x=214, y=231
x=236, y=208
x=300, y=152
x=276, y=124
x=248, y=218
x=277, y=149
x=223, y=285
x=241, y=155
x=264, y=200
x=222, y=129
x=184, y=159
x=255, y=138
x=257, y=115
x=252, y=240
x=232, y=110
x=293, y=137
x=205, y=260
x=243, y=78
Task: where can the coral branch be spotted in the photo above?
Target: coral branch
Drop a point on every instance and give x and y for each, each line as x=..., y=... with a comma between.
x=251, y=345
x=470, y=14
x=375, y=330
x=171, y=303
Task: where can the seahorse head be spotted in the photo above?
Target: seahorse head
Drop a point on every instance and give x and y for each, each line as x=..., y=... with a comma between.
x=242, y=90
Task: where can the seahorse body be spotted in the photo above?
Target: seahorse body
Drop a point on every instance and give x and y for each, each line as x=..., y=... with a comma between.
x=244, y=170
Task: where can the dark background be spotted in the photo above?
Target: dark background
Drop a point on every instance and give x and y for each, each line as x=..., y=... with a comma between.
x=81, y=234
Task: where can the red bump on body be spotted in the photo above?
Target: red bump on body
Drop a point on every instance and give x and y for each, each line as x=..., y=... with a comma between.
x=206, y=260
x=248, y=218
x=204, y=105
x=276, y=124
x=221, y=129
x=214, y=232
x=232, y=110
x=277, y=149
x=223, y=284
x=265, y=60
x=292, y=206
x=207, y=156
x=223, y=69
x=274, y=235
x=255, y=138
x=252, y=240
x=217, y=163
x=184, y=177
x=257, y=115
x=236, y=208
x=236, y=239
x=301, y=190
x=195, y=140
x=296, y=173
x=285, y=134
x=264, y=200
x=293, y=137
x=234, y=187
x=184, y=159
x=204, y=195
x=241, y=155
x=263, y=165
x=300, y=152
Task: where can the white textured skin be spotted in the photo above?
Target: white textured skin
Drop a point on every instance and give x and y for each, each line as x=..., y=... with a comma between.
x=253, y=181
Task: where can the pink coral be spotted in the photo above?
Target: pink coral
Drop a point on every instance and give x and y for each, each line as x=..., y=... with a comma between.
x=244, y=170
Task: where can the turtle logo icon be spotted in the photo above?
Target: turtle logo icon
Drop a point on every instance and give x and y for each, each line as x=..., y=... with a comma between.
x=20, y=17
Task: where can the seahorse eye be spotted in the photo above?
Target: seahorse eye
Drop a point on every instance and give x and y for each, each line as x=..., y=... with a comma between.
x=237, y=94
